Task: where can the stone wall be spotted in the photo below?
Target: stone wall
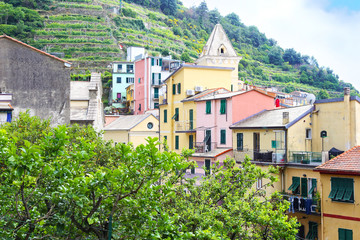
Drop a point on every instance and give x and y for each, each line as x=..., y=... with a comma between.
x=38, y=82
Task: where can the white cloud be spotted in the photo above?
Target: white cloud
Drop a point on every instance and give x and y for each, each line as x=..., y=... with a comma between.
x=331, y=36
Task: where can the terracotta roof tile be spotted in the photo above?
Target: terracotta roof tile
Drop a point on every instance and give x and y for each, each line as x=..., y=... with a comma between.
x=35, y=49
x=347, y=162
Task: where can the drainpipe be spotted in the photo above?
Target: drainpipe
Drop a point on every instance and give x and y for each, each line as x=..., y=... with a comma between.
x=347, y=110
x=145, y=80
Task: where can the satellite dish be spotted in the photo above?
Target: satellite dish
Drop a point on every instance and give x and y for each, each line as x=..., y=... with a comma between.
x=310, y=98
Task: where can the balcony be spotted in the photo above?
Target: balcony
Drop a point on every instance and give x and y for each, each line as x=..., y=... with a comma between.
x=267, y=156
x=184, y=126
x=302, y=157
x=306, y=205
x=201, y=147
x=156, y=82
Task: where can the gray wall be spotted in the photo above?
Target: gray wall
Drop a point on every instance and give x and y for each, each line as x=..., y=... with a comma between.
x=38, y=82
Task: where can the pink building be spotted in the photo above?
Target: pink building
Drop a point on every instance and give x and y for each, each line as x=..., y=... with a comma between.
x=150, y=72
x=215, y=112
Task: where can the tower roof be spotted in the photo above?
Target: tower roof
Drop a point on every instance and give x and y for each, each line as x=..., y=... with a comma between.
x=218, y=44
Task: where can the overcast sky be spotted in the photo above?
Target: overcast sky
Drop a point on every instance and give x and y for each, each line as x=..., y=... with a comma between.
x=329, y=30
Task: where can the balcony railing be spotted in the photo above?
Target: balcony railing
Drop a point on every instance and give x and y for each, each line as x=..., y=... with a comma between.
x=302, y=157
x=201, y=147
x=308, y=205
x=156, y=82
x=186, y=125
x=262, y=155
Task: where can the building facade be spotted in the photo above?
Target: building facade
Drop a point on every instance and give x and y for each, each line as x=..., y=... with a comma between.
x=122, y=76
x=38, y=81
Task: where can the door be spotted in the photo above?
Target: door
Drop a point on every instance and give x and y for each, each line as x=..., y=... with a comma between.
x=256, y=145
x=207, y=140
x=207, y=166
x=191, y=119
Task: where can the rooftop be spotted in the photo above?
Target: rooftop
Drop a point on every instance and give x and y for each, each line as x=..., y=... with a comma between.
x=35, y=49
x=345, y=163
x=126, y=122
x=274, y=118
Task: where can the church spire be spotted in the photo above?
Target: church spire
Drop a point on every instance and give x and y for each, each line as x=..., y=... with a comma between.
x=218, y=44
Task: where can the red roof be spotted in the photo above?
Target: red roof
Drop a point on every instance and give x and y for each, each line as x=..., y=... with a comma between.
x=26, y=45
x=347, y=163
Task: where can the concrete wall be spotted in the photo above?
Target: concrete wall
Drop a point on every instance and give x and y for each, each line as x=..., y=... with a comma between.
x=38, y=82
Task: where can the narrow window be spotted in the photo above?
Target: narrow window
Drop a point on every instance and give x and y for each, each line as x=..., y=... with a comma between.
x=208, y=107
x=174, y=89
x=191, y=141
x=139, y=80
x=176, y=142
x=294, y=187
x=223, y=106
x=223, y=136
x=207, y=166
x=239, y=141
x=118, y=80
x=304, y=187
x=179, y=88
x=308, y=133
x=165, y=115
x=345, y=234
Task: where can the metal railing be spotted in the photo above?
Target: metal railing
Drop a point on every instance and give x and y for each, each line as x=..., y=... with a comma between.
x=201, y=147
x=302, y=157
x=262, y=155
x=156, y=82
x=185, y=125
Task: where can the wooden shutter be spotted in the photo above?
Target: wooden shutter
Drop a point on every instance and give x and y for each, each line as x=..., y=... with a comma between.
x=191, y=119
x=152, y=61
x=176, y=114
x=179, y=88
x=223, y=106
x=160, y=62
x=191, y=141
x=153, y=78
x=174, y=89
x=208, y=107
x=239, y=141
x=176, y=142
x=222, y=136
x=165, y=115
x=304, y=188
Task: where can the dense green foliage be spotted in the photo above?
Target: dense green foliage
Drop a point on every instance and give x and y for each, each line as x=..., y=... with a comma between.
x=67, y=182
x=19, y=22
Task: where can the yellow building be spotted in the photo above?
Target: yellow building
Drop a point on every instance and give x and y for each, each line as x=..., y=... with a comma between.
x=130, y=97
x=176, y=114
x=216, y=68
x=340, y=179
x=218, y=51
x=132, y=129
x=337, y=119
x=279, y=138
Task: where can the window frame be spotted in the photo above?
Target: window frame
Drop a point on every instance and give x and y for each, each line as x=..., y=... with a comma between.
x=223, y=104
x=177, y=144
x=208, y=107
x=240, y=141
x=342, y=190
x=223, y=136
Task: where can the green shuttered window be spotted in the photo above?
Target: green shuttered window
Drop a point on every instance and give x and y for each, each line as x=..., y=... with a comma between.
x=191, y=119
x=239, y=141
x=223, y=106
x=304, y=188
x=160, y=62
x=345, y=234
x=176, y=116
x=313, y=231
x=313, y=186
x=191, y=141
x=174, y=89
x=342, y=189
x=176, y=142
x=208, y=107
x=295, y=185
x=152, y=61
x=223, y=136
x=179, y=88
x=165, y=115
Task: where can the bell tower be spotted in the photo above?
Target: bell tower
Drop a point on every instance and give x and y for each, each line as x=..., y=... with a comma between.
x=218, y=51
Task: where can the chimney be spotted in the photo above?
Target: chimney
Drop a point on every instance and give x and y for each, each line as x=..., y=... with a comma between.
x=346, y=91
x=285, y=118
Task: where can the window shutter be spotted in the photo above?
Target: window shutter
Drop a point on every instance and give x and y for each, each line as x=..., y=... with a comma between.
x=179, y=88
x=304, y=189
x=191, y=119
x=222, y=136
x=349, y=190
x=139, y=80
x=165, y=115
x=313, y=186
x=334, y=188
x=160, y=62
x=153, y=78
x=208, y=107
x=342, y=235
x=295, y=184
x=176, y=142
x=174, y=89
x=191, y=141
x=152, y=61
x=349, y=234
x=159, y=78
x=176, y=114
x=341, y=189
x=223, y=106
x=239, y=138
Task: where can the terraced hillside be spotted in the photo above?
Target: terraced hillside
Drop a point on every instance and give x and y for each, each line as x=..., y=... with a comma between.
x=91, y=34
